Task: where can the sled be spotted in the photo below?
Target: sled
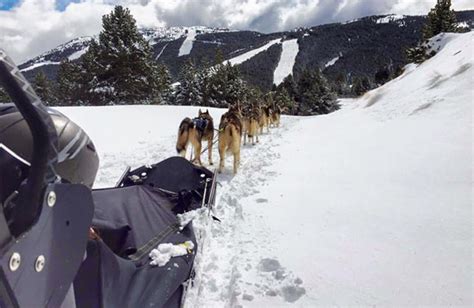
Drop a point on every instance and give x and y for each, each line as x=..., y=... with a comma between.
x=65, y=245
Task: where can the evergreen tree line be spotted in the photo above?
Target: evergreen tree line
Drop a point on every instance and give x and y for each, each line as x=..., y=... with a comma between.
x=222, y=85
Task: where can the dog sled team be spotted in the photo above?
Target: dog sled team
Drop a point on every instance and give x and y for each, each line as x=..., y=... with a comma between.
x=239, y=123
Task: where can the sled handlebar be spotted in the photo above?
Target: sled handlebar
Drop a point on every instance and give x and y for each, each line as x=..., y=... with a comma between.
x=44, y=142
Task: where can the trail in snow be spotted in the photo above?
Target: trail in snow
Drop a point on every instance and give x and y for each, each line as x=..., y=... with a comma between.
x=284, y=68
x=187, y=45
x=234, y=264
x=29, y=68
x=161, y=52
x=244, y=57
x=331, y=62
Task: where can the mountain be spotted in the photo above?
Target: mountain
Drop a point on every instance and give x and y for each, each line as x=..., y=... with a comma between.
x=342, y=51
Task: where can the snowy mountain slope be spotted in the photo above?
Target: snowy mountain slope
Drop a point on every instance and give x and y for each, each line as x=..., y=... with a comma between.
x=367, y=45
x=370, y=205
x=251, y=53
x=287, y=61
x=185, y=49
x=72, y=50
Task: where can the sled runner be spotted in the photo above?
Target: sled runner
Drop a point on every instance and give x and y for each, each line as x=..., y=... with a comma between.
x=65, y=245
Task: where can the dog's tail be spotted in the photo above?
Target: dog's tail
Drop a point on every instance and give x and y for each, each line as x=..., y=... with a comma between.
x=183, y=134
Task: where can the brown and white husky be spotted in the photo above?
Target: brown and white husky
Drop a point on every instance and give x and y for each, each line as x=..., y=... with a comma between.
x=230, y=134
x=194, y=131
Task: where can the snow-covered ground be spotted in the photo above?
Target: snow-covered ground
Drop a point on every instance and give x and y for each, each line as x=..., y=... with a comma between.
x=245, y=56
x=370, y=205
x=284, y=68
x=332, y=61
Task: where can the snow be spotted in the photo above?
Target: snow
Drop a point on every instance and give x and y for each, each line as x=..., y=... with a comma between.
x=161, y=52
x=164, y=252
x=76, y=55
x=185, y=218
x=187, y=45
x=332, y=61
x=284, y=68
x=389, y=18
x=246, y=56
x=368, y=206
x=39, y=64
x=463, y=24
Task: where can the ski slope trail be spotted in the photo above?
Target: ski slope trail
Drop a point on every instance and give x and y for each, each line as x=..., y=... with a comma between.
x=250, y=54
x=188, y=42
x=285, y=66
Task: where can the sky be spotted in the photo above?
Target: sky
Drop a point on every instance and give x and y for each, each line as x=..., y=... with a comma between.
x=30, y=27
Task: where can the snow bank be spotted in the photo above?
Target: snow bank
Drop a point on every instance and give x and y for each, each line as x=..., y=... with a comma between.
x=284, y=68
x=187, y=45
x=440, y=82
x=244, y=57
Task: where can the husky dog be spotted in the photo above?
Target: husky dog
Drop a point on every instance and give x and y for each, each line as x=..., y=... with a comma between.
x=250, y=116
x=252, y=124
x=264, y=118
x=194, y=131
x=269, y=113
x=276, y=114
x=230, y=135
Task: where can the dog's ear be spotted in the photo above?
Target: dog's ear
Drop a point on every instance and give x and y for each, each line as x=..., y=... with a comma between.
x=207, y=111
x=200, y=112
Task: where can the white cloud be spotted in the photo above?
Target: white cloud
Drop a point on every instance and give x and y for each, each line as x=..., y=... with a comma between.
x=36, y=26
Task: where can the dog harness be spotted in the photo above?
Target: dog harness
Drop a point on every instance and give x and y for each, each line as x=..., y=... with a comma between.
x=200, y=123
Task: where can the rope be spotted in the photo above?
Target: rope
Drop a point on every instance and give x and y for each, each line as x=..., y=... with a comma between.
x=214, y=141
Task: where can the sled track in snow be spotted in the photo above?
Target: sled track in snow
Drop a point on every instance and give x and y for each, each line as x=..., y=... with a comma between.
x=219, y=260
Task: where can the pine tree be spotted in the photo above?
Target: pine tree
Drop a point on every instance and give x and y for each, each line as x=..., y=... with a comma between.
x=43, y=88
x=440, y=19
x=290, y=86
x=225, y=85
x=164, y=88
x=382, y=76
x=119, y=67
x=340, y=85
x=283, y=100
x=187, y=92
x=315, y=95
x=68, y=83
x=360, y=85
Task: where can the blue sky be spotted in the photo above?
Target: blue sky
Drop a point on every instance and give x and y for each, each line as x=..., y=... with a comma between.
x=7, y=5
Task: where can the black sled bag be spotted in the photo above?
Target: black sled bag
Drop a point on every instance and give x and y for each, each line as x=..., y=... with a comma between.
x=131, y=220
